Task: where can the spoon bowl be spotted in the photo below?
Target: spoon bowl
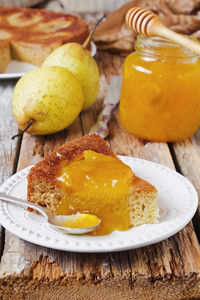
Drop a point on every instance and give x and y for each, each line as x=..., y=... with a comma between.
x=60, y=222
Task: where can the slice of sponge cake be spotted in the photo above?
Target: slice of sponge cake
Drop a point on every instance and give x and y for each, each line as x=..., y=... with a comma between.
x=86, y=176
x=4, y=55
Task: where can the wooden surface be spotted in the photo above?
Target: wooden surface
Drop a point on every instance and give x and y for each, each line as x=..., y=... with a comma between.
x=166, y=270
x=76, y=6
x=8, y=149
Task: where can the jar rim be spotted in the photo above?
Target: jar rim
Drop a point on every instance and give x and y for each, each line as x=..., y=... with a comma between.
x=155, y=45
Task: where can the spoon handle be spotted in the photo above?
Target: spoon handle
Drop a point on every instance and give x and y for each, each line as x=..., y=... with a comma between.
x=179, y=39
x=24, y=203
x=146, y=22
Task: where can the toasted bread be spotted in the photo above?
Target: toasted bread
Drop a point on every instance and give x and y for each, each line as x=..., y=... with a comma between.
x=127, y=199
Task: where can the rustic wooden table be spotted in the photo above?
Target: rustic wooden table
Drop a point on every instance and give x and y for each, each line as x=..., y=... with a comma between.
x=166, y=270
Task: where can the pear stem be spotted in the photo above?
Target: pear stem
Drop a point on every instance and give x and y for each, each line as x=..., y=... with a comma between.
x=25, y=129
x=85, y=44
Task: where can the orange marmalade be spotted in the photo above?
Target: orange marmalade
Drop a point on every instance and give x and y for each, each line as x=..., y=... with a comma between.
x=99, y=185
x=160, y=96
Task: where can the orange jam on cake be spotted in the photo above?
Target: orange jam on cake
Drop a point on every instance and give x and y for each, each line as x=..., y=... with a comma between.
x=100, y=185
x=160, y=97
x=97, y=184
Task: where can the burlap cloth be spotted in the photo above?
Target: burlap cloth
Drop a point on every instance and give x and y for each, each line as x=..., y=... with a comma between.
x=180, y=15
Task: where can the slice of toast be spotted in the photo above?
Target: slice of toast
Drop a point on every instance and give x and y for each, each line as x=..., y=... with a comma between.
x=97, y=183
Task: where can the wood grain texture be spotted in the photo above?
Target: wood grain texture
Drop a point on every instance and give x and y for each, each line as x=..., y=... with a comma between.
x=187, y=156
x=7, y=128
x=77, y=6
x=166, y=270
x=8, y=148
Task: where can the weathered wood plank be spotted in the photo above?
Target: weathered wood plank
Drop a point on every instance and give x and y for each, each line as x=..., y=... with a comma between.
x=8, y=148
x=7, y=127
x=187, y=157
x=78, y=6
x=166, y=270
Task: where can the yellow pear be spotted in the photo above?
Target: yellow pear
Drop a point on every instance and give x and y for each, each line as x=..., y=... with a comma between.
x=78, y=60
x=51, y=97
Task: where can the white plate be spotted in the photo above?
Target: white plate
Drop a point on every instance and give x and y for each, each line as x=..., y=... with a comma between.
x=177, y=202
x=16, y=69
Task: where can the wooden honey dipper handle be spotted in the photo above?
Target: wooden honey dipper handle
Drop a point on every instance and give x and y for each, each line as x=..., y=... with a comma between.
x=146, y=22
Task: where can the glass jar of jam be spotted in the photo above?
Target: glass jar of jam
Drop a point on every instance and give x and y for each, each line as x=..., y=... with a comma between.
x=160, y=96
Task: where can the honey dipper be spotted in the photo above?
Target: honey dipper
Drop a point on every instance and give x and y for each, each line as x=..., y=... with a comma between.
x=146, y=22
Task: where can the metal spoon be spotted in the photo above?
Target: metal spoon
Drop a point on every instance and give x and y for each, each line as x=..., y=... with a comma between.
x=56, y=221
